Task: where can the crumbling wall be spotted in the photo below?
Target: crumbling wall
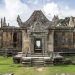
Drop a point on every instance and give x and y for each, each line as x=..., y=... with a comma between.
x=63, y=40
x=7, y=37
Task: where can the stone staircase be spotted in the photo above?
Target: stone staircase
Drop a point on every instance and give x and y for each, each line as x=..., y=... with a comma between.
x=37, y=60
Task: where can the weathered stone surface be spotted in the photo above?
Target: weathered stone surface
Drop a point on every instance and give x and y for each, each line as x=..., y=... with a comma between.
x=51, y=42
x=25, y=42
x=71, y=22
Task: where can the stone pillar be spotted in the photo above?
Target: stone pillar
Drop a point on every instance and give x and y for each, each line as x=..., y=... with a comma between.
x=51, y=42
x=31, y=44
x=45, y=40
x=43, y=45
x=25, y=42
x=10, y=42
x=0, y=38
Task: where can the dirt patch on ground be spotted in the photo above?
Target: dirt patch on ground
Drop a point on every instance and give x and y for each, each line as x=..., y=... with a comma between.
x=39, y=69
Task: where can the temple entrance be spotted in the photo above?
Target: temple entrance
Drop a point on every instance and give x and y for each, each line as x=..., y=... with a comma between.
x=38, y=46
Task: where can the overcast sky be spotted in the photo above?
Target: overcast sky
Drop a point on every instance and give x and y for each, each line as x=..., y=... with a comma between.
x=11, y=8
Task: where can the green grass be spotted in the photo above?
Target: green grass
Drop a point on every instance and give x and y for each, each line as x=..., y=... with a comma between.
x=7, y=66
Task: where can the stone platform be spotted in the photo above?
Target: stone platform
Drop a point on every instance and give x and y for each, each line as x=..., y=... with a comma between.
x=37, y=59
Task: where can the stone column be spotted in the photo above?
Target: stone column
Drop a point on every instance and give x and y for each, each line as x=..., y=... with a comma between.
x=25, y=41
x=0, y=38
x=31, y=44
x=46, y=47
x=51, y=42
x=43, y=45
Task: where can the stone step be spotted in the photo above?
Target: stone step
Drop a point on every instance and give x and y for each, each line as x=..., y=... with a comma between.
x=48, y=62
x=25, y=62
x=39, y=55
x=37, y=61
x=37, y=64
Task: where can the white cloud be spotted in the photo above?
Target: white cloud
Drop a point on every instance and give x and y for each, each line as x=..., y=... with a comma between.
x=51, y=9
x=12, y=9
x=32, y=1
x=62, y=11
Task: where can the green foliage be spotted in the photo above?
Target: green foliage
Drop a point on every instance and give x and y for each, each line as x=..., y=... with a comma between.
x=7, y=66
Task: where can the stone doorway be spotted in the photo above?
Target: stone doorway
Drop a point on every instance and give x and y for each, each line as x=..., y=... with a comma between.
x=38, y=45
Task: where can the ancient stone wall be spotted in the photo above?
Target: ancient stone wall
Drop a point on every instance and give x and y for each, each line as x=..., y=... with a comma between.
x=63, y=40
x=7, y=38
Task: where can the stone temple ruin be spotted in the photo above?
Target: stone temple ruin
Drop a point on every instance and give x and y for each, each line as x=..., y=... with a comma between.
x=38, y=40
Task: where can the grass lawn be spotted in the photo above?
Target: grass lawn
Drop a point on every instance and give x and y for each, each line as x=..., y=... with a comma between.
x=7, y=66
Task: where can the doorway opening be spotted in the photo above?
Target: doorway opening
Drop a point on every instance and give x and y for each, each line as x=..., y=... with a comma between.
x=38, y=46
